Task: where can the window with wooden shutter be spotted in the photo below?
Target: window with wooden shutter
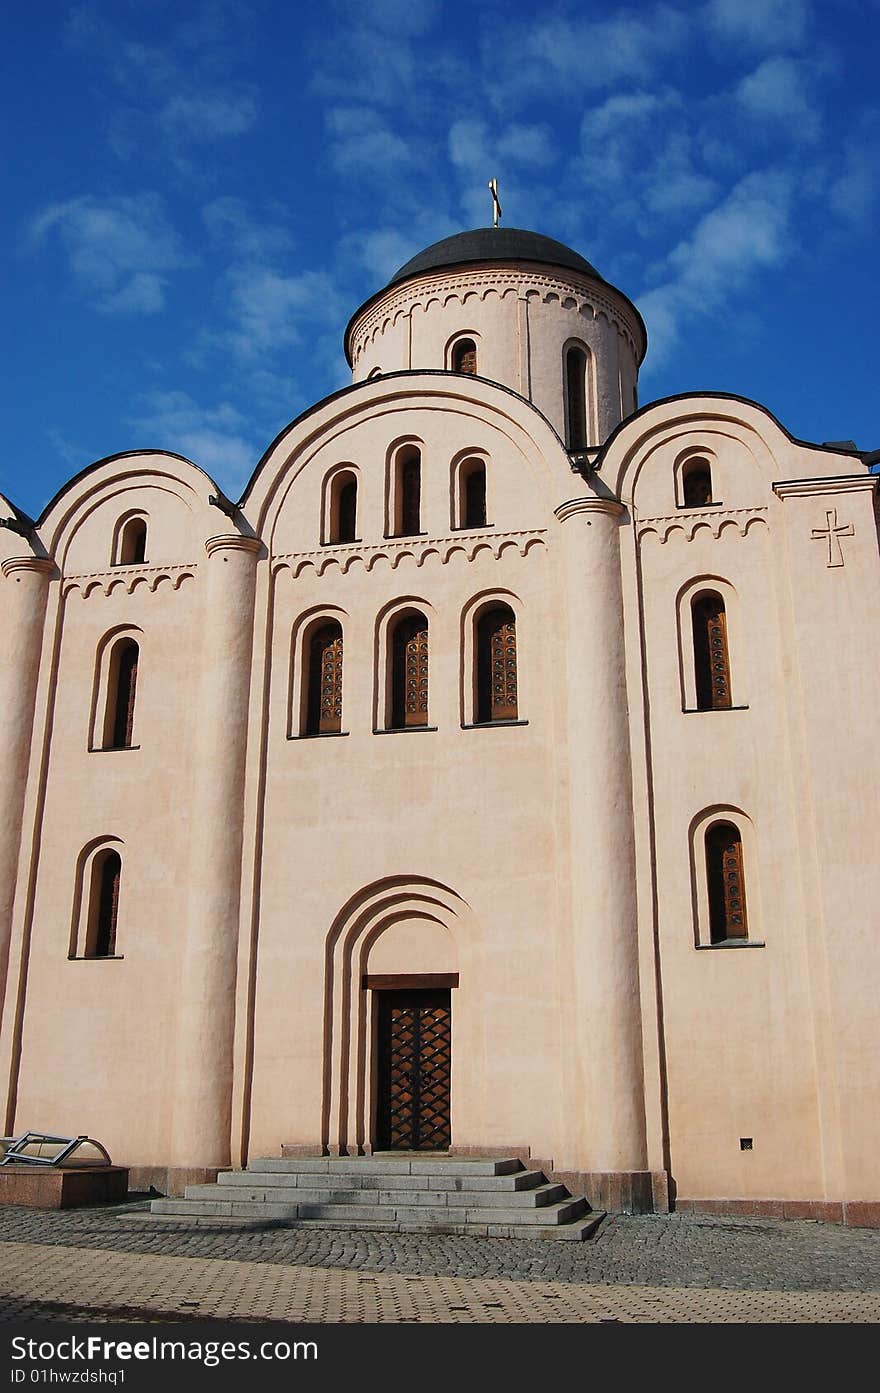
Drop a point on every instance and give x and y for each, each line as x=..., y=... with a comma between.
x=464, y=356
x=474, y=490
x=106, y=879
x=576, y=399
x=726, y=883
x=410, y=491
x=121, y=693
x=711, y=658
x=409, y=672
x=697, y=484
x=324, y=702
x=496, y=665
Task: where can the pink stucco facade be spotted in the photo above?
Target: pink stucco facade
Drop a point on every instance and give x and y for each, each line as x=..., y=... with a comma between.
x=556, y=864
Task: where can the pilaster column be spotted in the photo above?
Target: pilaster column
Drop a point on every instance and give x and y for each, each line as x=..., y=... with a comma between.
x=608, y=1113
x=23, y=606
x=203, y=1063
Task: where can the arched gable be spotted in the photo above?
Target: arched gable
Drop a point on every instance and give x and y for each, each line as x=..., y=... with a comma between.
x=747, y=448
x=80, y=526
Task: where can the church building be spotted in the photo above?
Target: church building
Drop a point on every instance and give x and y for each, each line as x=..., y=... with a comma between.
x=615, y=913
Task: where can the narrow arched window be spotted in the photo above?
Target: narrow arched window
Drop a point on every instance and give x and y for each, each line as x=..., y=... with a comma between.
x=711, y=658
x=324, y=699
x=103, y=905
x=726, y=883
x=132, y=543
x=409, y=672
x=121, y=691
x=409, y=493
x=473, y=491
x=697, y=484
x=496, y=665
x=576, y=398
x=343, y=508
x=464, y=356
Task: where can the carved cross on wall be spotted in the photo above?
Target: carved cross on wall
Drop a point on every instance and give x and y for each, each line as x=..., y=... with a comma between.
x=833, y=533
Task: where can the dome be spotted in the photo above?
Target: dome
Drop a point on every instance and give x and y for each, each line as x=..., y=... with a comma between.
x=494, y=244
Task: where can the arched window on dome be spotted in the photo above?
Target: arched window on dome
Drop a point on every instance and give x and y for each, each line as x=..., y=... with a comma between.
x=121, y=689
x=711, y=656
x=102, y=919
x=696, y=483
x=577, y=397
x=725, y=883
x=409, y=671
x=324, y=679
x=131, y=542
x=464, y=356
x=495, y=650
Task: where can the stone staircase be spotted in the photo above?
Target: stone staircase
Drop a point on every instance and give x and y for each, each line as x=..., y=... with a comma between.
x=398, y=1193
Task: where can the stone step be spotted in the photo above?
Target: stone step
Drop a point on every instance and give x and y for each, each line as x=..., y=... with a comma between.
x=368, y=1180
x=540, y=1195
x=386, y=1165
x=577, y=1230
x=546, y=1215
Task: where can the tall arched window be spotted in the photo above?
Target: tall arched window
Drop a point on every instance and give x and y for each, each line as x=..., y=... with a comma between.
x=472, y=482
x=103, y=913
x=121, y=690
x=409, y=493
x=324, y=689
x=343, y=508
x=464, y=356
x=726, y=883
x=409, y=672
x=132, y=544
x=575, y=398
x=696, y=484
x=496, y=665
x=711, y=658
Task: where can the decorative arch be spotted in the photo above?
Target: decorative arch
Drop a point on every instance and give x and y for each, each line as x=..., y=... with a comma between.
x=579, y=395
x=724, y=878
x=339, y=504
x=114, y=689
x=469, y=489
x=715, y=626
x=130, y=540
x=475, y=615
x=403, y=488
x=415, y=613
x=462, y=352
x=316, y=694
x=94, y=928
x=412, y=908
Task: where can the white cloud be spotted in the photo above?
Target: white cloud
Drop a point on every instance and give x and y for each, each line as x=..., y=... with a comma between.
x=364, y=146
x=270, y=310
x=198, y=117
x=213, y=437
x=758, y=23
x=743, y=235
x=777, y=93
x=234, y=227
x=117, y=249
x=854, y=188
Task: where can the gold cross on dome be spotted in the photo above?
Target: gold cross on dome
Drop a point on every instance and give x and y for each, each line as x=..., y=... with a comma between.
x=496, y=206
x=833, y=533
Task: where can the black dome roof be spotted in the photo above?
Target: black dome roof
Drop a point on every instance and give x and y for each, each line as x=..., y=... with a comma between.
x=494, y=244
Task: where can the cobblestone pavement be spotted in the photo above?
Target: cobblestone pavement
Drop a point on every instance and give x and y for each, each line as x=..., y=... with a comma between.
x=117, y=1264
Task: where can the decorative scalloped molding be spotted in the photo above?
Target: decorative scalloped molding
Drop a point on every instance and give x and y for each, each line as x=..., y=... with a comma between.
x=396, y=550
x=739, y=518
x=479, y=283
x=127, y=578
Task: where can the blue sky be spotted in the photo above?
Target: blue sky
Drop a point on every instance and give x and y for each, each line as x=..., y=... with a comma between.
x=198, y=196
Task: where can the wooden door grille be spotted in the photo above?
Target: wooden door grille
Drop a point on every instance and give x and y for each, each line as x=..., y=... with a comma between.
x=409, y=695
x=496, y=666
x=325, y=681
x=727, y=898
x=414, y=1070
x=712, y=664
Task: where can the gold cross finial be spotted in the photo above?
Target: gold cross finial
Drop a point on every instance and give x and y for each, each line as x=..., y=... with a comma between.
x=496, y=206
